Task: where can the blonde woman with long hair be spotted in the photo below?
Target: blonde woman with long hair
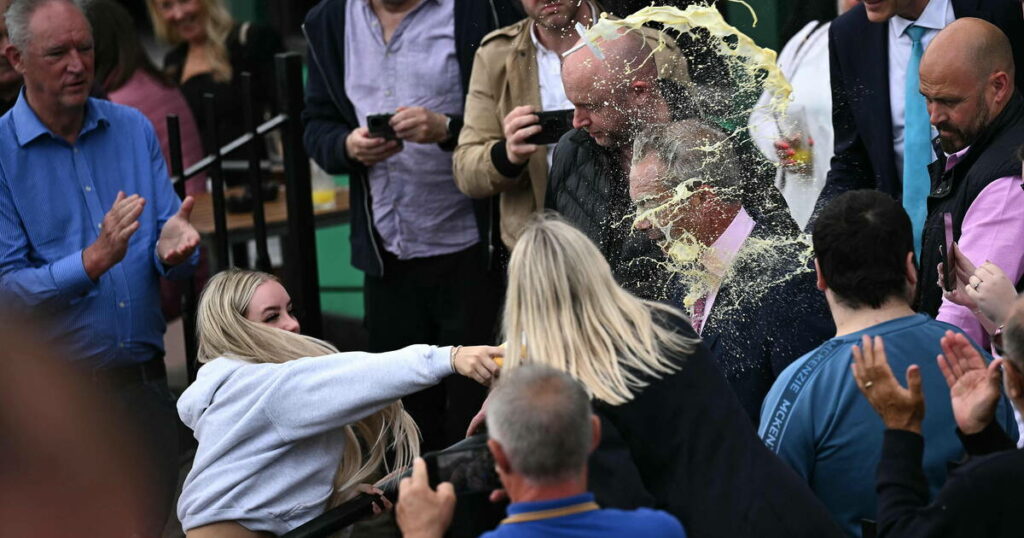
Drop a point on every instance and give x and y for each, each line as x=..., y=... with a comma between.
x=210, y=51
x=674, y=434
x=288, y=426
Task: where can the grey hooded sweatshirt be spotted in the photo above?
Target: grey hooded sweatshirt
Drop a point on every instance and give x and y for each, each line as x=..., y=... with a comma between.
x=270, y=437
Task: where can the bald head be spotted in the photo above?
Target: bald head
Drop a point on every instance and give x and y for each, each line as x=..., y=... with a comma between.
x=616, y=93
x=976, y=45
x=967, y=80
x=626, y=59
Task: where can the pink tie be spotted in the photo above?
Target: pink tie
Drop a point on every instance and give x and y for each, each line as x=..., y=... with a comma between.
x=698, y=313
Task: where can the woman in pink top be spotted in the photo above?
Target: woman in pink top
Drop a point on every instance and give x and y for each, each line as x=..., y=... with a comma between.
x=128, y=77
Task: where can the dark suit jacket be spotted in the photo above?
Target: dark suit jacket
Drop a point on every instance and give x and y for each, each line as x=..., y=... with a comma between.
x=765, y=316
x=981, y=497
x=861, y=114
x=684, y=445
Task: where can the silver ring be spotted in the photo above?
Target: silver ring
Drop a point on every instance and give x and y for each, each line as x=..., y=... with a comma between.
x=868, y=384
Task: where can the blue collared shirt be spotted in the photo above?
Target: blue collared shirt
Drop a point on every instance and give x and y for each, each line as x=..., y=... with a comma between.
x=53, y=196
x=417, y=209
x=543, y=518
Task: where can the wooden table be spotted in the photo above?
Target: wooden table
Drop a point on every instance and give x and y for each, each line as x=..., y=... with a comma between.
x=240, y=225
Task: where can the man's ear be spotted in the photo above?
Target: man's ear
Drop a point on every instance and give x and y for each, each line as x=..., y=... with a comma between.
x=911, y=272
x=821, y=284
x=595, y=432
x=500, y=459
x=1013, y=382
x=999, y=86
x=14, y=58
x=639, y=88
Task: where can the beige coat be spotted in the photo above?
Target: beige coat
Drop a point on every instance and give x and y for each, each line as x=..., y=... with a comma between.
x=504, y=77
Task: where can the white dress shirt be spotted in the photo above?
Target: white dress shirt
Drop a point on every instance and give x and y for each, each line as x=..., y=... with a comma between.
x=936, y=16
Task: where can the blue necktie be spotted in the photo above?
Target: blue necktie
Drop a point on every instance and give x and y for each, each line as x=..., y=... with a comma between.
x=917, y=149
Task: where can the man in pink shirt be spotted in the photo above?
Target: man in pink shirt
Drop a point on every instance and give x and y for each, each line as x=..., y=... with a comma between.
x=750, y=294
x=967, y=78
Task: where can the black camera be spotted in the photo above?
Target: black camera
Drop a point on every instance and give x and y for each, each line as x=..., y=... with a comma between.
x=468, y=465
x=379, y=126
x=553, y=124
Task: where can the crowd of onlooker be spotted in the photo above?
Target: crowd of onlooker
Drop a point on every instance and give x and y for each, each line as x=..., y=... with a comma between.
x=804, y=323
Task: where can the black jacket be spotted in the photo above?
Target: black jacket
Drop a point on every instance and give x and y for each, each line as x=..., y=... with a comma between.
x=587, y=186
x=992, y=156
x=861, y=114
x=767, y=314
x=251, y=52
x=684, y=445
x=329, y=115
x=981, y=497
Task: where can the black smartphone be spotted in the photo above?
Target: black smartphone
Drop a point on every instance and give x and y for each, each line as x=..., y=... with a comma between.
x=948, y=259
x=470, y=468
x=553, y=124
x=379, y=126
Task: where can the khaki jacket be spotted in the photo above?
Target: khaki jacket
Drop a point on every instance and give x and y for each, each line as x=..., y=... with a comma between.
x=504, y=77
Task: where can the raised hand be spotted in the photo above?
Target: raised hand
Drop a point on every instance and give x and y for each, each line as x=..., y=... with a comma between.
x=179, y=238
x=119, y=224
x=900, y=408
x=477, y=362
x=518, y=125
x=974, y=387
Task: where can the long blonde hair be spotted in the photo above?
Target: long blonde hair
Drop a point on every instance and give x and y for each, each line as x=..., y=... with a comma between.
x=224, y=331
x=564, y=309
x=217, y=28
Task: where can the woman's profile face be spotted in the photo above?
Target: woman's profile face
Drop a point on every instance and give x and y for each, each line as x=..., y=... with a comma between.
x=271, y=305
x=186, y=17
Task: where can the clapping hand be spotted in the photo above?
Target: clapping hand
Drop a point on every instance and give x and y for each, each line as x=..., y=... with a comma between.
x=179, y=238
x=900, y=408
x=974, y=387
x=119, y=224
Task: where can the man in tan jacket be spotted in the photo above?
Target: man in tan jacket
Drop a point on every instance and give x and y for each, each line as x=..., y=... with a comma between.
x=516, y=73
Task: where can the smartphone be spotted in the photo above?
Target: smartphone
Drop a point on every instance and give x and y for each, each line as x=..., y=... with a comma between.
x=948, y=259
x=469, y=467
x=379, y=126
x=553, y=124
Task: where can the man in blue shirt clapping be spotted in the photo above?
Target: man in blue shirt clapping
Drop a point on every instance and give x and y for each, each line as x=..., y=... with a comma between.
x=542, y=431
x=89, y=222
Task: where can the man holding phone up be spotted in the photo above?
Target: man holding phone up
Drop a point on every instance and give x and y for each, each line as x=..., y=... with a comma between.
x=516, y=75
x=422, y=243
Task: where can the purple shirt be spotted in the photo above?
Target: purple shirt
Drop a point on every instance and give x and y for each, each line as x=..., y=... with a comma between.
x=417, y=209
x=992, y=230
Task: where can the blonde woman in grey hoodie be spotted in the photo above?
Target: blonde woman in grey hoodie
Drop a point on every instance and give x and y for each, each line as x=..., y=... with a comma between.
x=287, y=426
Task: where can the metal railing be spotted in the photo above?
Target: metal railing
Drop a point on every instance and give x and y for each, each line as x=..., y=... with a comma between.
x=301, y=275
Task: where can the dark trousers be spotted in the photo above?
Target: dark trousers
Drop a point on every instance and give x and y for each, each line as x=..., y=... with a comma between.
x=150, y=411
x=441, y=300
